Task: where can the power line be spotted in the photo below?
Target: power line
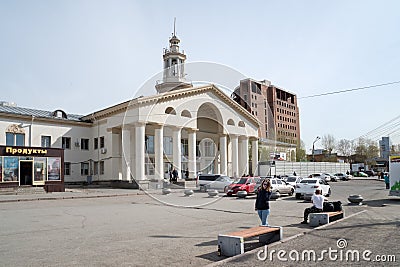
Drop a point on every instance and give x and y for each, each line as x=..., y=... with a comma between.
x=350, y=90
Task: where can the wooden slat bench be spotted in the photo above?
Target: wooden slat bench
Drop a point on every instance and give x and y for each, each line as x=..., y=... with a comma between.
x=233, y=243
x=321, y=218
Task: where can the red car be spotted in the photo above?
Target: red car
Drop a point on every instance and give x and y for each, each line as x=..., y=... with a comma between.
x=247, y=184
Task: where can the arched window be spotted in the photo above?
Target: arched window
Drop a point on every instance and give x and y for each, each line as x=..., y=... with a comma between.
x=59, y=114
x=241, y=124
x=186, y=113
x=170, y=110
x=231, y=122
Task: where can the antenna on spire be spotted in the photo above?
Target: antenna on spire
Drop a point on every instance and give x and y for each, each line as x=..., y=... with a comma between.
x=174, y=26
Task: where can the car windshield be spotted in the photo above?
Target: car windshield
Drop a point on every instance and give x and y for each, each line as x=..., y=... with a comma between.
x=242, y=181
x=308, y=181
x=291, y=179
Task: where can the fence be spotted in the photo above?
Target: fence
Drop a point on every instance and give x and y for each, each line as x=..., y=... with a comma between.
x=301, y=168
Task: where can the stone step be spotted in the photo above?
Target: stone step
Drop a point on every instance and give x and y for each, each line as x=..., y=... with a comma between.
x=21, y=190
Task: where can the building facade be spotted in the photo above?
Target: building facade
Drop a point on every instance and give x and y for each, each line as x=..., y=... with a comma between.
x=274, y=107
x=189, y=129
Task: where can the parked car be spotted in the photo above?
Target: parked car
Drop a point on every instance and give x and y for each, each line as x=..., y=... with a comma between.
x=204, y=179
x=293, y=180
x=343, y=176
x=259, y=181
x=280, y=186
x=309, y=185
x=360, y=174
x=247, y=184
x=220, y=184
x=370, y=173
x=333, y=178
x=324, y=176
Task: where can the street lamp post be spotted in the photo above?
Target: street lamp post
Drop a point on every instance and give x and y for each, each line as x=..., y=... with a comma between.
x=316, y=139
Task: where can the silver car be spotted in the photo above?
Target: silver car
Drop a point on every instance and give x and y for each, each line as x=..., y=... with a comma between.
x=281, y=186
x=220, y=184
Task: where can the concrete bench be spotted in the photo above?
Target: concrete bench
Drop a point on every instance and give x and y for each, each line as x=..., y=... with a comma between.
x=321, y=218
x=233, y=243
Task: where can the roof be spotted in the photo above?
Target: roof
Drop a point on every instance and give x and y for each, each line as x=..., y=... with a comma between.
x=38, y=113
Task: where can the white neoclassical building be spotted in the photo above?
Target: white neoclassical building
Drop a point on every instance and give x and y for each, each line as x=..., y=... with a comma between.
x=194, y=129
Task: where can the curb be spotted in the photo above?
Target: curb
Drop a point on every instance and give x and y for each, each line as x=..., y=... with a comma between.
x=285, y=240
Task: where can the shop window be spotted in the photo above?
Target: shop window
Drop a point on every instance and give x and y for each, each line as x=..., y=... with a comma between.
x=96, y=143
x=54, y=169
x=101, y=141
x=84, y=168
x=66, y=142
x=46, y=141
x=102, y=167
x=67, y=168
x=10, y=169
x=84, y=144
x=15, y=139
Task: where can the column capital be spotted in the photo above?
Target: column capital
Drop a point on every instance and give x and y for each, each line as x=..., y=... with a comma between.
x=243, y=137
x=233, y=136
x=191, y=130
x=253, y=138
x=158, y=125
x=139, y=123
x=176, y=128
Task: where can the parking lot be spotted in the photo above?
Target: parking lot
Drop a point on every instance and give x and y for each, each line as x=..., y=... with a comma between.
x=148, y=230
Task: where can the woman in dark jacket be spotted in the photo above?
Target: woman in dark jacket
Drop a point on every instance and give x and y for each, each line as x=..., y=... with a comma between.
x=262, y=201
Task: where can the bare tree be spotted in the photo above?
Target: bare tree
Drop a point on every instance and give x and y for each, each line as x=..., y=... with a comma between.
x=328, y=142
x=344, y=147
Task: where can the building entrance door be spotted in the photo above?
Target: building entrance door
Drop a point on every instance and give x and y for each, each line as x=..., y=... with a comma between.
x=25, y=172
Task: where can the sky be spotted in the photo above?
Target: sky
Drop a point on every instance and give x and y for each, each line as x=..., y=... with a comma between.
x=83, y=56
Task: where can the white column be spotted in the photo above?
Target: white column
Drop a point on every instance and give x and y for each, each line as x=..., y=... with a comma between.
x=235, y=156
x=177, y=156
x=244, y=155
x=254, y=156
x=139, y=150
x=158, y=150
x=192, y=153
x=126, y=154
x=224, y=156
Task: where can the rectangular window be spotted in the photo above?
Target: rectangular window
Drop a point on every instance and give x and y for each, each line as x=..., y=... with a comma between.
x=11, y=165
x=84, y=168
x=84, y=144
x=209, y=149
x=66, y=142
x=101, y=141
x=67, y=168
x=46, y=141
x=13, y=139
x=96, y=143
x=95, y=167
x=167, y=144
x=149, y=144
x=102, y=167
x=149, y=166
x=54, y=169
x=185, y=147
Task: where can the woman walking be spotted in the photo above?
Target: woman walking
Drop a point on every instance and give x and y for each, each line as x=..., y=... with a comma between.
x=262, y=201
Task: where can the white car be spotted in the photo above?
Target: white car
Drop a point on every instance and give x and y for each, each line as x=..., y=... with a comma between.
x=280, y=186
x=324, y=176
x=293, y=180
x=220, y=184
x=333, y=178
x=309, y=185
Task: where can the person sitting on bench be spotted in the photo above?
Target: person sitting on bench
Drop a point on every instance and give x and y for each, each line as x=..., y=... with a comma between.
x=318, y=204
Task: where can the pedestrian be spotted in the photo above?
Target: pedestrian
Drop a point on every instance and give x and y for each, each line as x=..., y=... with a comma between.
x=262, y=201
x=294, y=173
x=318, y=205
x=387, y=181
x=175, y=175
x=170, y=176
x=382, y=175
x=187, y=174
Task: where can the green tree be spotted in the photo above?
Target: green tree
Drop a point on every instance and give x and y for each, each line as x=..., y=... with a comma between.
x=301, y=152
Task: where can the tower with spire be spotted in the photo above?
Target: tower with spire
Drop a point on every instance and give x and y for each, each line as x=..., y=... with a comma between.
x=174, y=67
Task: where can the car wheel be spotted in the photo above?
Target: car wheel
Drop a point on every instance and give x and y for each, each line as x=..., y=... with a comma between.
x=202, y=189
x=329, y=193
x=298, y=195
x=291, y=192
